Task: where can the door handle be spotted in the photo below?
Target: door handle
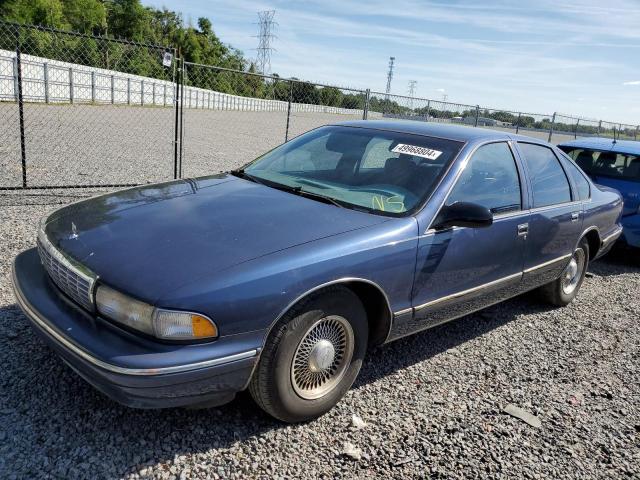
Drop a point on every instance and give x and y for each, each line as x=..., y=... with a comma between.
x=523, y=229
x=575, y=216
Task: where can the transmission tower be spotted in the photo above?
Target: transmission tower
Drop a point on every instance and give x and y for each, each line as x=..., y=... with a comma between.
x=265, y=36
x=411, y=90
x=389, y=77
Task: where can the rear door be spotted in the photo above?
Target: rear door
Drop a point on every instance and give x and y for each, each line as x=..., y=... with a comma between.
x=555, y=217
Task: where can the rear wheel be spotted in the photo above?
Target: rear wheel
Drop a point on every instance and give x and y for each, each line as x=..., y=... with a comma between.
x=312, y=356
x=562, y=291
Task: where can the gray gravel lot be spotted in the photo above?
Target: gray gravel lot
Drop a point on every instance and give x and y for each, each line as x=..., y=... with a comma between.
x=433, y=403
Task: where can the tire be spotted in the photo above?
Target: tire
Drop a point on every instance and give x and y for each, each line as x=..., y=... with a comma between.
x=562, y=291
x=318, y=380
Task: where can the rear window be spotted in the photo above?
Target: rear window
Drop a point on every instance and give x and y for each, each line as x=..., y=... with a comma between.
x=606, y=163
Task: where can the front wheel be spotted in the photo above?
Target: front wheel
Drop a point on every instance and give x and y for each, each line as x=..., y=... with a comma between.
x=312, y=356
x=562, y=291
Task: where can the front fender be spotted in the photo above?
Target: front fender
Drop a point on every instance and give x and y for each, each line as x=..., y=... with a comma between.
x=253, y=295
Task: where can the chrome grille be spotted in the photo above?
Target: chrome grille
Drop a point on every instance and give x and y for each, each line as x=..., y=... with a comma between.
x=68, y=278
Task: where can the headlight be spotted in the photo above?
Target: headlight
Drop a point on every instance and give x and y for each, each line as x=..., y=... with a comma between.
x=165, y=324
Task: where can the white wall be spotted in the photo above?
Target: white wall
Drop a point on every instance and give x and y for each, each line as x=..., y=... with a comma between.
x=53, y=81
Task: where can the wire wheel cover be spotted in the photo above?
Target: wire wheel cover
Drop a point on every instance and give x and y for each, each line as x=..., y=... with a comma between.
x=322, y=357
x=573, y=272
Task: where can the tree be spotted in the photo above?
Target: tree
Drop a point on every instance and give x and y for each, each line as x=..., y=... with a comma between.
x=48, y=13
x=85, y=16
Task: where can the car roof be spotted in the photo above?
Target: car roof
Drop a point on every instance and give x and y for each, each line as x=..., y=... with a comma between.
x=452, y=132
x=598, y=143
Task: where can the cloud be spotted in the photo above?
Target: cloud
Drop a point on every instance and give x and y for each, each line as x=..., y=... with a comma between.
x=633, y=82
x=441, y=90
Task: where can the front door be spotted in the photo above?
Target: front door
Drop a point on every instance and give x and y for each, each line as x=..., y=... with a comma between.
x=460, y=269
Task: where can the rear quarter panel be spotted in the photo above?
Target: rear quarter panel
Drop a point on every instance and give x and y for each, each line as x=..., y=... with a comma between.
x=603, y=211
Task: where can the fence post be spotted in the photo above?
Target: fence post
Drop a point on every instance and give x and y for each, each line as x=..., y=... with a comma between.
x=176, y=125
x=518, y=122
x=142, y=93
x=619, y=130
x=635, y=133
x=113, y=90
x=286, y=133
x=182, y=94
x=70, y=85
x=128, y=91
x=553, y=121
x=365, y=110
x=18, y=71
x=575, y=129
x=46, y=82
x=428, y=109
x=599, y=127
x=93, y=87
x=477, y=115
x=153, y=93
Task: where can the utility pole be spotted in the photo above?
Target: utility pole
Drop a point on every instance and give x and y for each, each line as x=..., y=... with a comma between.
x=411, y=90
x=444, y=97
x=389, y=77
x=265, y=36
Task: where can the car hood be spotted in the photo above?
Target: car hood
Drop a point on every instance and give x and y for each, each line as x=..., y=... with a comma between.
x=151, y=240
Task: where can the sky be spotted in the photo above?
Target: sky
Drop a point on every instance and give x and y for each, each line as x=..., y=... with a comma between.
x=578, y=57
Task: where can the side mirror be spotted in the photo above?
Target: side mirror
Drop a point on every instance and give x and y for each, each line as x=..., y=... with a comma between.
x=463, y=214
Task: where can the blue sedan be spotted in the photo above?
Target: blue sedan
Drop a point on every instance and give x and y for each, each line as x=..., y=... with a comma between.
x=278, y=277
x=615, y=164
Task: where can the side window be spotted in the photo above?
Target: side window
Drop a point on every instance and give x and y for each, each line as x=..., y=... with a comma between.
x=490, y=179
x=584, y=190
x=548, y=180
x=584, y=158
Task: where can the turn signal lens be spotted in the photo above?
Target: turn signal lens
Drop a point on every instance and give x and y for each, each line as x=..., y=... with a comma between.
x=175, y=325
x=203, y=327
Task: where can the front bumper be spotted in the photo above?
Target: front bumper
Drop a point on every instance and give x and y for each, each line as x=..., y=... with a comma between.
x=132, y=370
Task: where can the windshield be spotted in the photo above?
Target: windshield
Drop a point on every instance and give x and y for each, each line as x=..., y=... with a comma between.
x=606, y=163
x=383, y=172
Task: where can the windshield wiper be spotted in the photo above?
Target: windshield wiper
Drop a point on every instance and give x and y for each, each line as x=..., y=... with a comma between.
x=297, y=190
x=318, y=196
x=240, y=173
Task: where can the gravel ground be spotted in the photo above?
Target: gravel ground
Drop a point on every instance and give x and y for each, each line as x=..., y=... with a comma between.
x=116, y=144
x=432, y=404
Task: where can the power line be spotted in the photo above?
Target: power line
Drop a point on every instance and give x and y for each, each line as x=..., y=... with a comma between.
x=411, y=90
x=265, y=36
x=389, y=76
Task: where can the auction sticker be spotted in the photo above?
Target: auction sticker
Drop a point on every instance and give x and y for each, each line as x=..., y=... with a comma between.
x=416, y=151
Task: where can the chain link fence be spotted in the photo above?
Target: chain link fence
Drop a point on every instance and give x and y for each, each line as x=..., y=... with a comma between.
x=253, y=113
x=78, y=111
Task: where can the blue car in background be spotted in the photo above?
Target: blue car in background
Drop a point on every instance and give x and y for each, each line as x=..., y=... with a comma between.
x=280, y=276
x=615, y=164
